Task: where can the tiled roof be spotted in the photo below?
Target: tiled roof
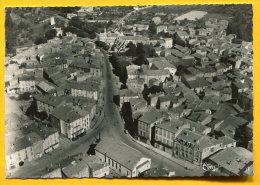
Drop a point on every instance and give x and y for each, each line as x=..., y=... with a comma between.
x=234, y=159
x=199, y=82
x=119, y=152
x=69, y=114
x=151, y=116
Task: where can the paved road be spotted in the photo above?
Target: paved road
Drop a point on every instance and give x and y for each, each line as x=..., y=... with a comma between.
x=114, y=128
x=127, y=15
x=111, y=126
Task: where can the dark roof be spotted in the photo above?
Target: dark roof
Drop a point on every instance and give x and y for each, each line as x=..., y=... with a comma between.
x=69, y=114
x=49, y=99
x=26, y=78
x=199, y=82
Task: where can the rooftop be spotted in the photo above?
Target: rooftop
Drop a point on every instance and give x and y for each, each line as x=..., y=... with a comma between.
x=90, y=84
x=49, y=99
x=75, y=169
x=202, y=141
x=119, y=152
x=234, y=159
x=19, y=144
x=69, y=114
x=199, y=82
x=151, y=116
x=172, y=126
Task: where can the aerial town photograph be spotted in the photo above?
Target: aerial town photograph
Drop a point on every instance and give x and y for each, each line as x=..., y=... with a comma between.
x=129, y=91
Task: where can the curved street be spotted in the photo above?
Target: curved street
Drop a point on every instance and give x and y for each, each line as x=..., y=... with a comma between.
x=115, y=128
x=111, y=126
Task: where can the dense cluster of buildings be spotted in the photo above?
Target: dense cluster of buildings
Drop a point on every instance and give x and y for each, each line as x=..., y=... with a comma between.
x=63, y=79
x=191, y=101
x=199, y=95
x=27, y=141
x=111, y=158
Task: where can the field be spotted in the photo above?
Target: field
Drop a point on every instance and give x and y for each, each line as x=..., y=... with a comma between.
x=192, y=15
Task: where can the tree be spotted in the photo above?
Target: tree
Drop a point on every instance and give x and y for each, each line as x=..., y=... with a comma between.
x=109, y=24
x=152, y=27
x=119, y=68
x=10, y=33
x=50, y=34
x=22, y=25
x=140, y=60
x=102, y=44
x=132, y=49
x=45, y=26
x=241, y=25
x=40, y=40
x=242, y=136
x=76, y=22
x=139, y=49
x=149, y=50
x=177, y=40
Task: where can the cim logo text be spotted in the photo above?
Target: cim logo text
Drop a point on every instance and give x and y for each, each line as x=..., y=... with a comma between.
x=209, y=167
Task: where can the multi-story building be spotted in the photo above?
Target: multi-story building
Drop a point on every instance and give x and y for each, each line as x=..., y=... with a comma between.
x=146, y=125
x=95, y=70
x=160, y=63
x=47, y=102
x=72, y=121
x=49, y=138
x=108, y=38
x=159, y=75
x=18, y=151
x=140, y=27
x=125, y=95
x=194, y=147
x=166, y=132
x=34, y=142
x=88, y=88
x=161, y=28
x=27, y=83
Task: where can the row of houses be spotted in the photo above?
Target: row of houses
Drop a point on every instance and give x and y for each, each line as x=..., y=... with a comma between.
x=32, y=142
